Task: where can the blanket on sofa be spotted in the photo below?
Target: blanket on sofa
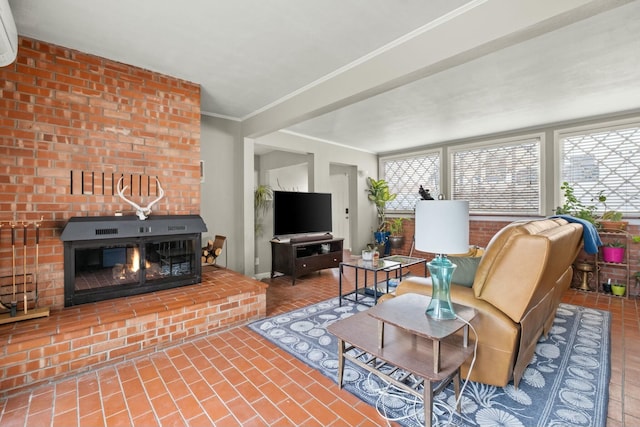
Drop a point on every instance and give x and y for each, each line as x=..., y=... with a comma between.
x=590, y=234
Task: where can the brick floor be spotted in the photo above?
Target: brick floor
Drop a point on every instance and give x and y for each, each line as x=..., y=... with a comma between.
x=237, y=378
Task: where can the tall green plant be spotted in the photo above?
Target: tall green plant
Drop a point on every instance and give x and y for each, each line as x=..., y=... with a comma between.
x=379, y=194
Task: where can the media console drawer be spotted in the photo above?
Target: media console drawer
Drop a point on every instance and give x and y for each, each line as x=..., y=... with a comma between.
x=313, y=263
x=299, y=259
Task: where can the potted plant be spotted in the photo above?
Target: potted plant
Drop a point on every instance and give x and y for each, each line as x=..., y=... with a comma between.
x=574, y=207
x=611, y=220
x=613, y=252
x=379, y=194
x=395, y=227
x=371, y=253
x=618, y=289
x=262, y=197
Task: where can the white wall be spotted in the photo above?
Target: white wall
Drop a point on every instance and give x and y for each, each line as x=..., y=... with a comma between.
x=221, y=201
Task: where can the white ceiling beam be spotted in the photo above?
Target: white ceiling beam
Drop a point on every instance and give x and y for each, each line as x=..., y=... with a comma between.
x=480, y=27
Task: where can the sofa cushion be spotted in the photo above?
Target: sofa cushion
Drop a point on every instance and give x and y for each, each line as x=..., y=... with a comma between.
x=465, y=272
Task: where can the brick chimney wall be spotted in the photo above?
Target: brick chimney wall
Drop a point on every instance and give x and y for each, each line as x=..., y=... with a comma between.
x=71, y=125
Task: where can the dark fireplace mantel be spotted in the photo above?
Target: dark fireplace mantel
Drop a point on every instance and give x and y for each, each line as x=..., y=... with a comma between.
x=110, y=257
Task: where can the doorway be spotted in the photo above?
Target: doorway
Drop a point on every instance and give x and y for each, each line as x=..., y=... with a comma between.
x=340, y=207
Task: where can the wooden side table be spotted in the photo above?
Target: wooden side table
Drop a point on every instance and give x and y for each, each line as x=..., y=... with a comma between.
x=399, y=333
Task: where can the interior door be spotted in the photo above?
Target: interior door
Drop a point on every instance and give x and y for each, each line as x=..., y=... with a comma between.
x=340, y=207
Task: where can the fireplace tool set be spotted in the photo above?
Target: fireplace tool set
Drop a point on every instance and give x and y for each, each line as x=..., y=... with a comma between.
x=15, y=289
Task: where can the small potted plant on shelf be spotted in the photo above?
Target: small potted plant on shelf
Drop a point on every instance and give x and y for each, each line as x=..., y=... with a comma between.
x=395, y=227
x=613, y=252
x=610, y=220
x=618, y=289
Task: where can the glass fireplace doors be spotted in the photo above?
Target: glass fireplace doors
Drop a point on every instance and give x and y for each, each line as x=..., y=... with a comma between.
x=103, y=269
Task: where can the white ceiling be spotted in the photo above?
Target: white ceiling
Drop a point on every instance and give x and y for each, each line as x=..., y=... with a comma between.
x=377, y=75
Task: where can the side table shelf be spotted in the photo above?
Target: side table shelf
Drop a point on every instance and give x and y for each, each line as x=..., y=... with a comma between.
x=609, y=236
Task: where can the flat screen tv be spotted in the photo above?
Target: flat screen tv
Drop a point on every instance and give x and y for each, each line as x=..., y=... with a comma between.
x=299, y=213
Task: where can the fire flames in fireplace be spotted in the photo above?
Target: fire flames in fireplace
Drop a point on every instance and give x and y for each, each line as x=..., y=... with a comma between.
x=152, y=270
x=130, y=269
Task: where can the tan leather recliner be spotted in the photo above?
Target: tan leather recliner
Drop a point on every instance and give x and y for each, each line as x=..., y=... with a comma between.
x=517, y=288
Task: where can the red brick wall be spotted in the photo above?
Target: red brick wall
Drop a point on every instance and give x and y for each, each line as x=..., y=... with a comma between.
x=65, y=113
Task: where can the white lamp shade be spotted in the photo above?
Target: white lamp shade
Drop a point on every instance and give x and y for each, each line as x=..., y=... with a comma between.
x=442, y=226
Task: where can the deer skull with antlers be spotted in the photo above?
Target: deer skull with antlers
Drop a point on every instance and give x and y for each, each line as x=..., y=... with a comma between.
x=143, y=213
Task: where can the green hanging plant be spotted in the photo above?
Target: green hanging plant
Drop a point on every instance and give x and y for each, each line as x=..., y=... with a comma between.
x=262, y=197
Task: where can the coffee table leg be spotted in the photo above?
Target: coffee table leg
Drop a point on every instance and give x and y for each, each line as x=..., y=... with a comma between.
x=340, y=362
x=428, y=402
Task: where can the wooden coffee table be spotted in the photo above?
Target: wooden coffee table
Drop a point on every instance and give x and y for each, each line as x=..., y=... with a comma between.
x=399, y=333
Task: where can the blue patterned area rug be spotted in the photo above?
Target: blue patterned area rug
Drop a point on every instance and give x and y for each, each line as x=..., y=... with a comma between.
x=566, y=383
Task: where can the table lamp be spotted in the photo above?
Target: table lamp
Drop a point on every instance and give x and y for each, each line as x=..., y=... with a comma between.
x=442, y=227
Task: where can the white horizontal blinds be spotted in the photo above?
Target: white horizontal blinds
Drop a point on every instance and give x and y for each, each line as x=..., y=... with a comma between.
x=607, y=160
x=501, y=178
x=405, y=175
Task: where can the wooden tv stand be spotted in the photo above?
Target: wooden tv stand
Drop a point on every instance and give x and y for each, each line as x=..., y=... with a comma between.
x=304, y=255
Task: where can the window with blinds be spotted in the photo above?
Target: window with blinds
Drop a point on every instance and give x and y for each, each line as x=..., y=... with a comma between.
x=406, y=174
x=604, y=159
x=498, y=178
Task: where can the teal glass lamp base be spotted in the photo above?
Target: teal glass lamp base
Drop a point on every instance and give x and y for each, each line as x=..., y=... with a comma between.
x=440, y=307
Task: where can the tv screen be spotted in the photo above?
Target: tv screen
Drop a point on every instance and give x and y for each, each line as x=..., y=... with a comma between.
x=298, y=213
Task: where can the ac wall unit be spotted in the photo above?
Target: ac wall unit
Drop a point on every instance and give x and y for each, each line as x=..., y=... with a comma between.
x=8, y=35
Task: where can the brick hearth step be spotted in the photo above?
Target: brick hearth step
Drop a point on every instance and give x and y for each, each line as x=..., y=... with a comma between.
x=88, y=336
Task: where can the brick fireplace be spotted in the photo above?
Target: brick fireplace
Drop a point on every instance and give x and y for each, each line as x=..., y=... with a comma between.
x=70, y=122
